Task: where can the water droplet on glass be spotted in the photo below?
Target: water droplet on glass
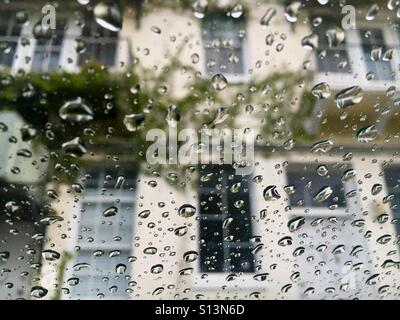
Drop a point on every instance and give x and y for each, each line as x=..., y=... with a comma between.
x=76, y=111
x=219, y=82
x=111, y=211
x=367, y=134
x=38, y=292
x=267, y=17
x=108, y=15
x=271, y=193
x=133, y=121
x=321, y=90
x=295, y=223
x=348, y=97
x=50, y=255
x=323, y=194
x=323, y=146
x=292, y=11
x=74, y=147
x=186, y=211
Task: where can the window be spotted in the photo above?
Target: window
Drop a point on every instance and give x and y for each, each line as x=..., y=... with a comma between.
x=330, y=59
x=101, y=44
x=373, y=48
x=225, y=225
x=307, y=183
x=10, y=32
x=48, y=50
x=105, y=242
x=392, y=177
x=223, y=44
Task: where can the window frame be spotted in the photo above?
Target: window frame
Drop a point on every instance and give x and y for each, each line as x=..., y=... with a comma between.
x=321, y=212
x=342, y=80
x=216, y=280
x=99, y=199
x=230, y=77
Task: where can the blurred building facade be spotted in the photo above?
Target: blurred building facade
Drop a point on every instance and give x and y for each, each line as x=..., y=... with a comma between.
x=238, y=245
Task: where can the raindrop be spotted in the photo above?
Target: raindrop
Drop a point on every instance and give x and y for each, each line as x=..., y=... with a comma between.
x=372, y=12
x=108, y=15
x=74, y=147
x=156, y=269
x=73, y=281
x=190, y=256
x=133, y=121
x=335, y=36
x=186, y=211
x=38, y=292
x=111, y=211
x=348, y=97
x=144, y=214
x=376, y=188
x=292, y=11
x=267, y=17
x=367, y=134
x=285, y=241
x=181, y=231
x=310, y=41
x=50, y=255
x=271, y=193
x=237, y=11
x=323, y=194
x=219, y=82
x=76, y=111
x=120, y=268
x=295, y=223
x=323, y=146
x=384, y=239
x=321, y=90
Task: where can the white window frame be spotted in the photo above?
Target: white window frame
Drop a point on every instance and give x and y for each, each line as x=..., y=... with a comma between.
x=67, y=50
x=217, y=280
x=124, y=197
x=230, y=77
x=359, y=70
x=322, y=212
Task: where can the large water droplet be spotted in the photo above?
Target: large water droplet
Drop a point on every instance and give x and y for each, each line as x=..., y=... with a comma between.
x=38, y=292
x=292, y=11
x=348, y=97
x=321, y=90
x=133, y=121
x=323, y=194
x=267, y=17
x=108, y=15
x=271, y=193
x=111, y=211
x=335, y=36
x=367, y=134
x=187, y=211
x=219, y=82
x=76, y=111
x=74, y=147
x=295, y=223
x=323, y=146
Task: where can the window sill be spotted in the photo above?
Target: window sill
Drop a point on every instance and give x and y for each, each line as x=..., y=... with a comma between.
x=316, y=212
x=217, y=281
x=339, y=81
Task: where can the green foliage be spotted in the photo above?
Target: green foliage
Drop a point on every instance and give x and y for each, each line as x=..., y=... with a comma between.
x=38, y=97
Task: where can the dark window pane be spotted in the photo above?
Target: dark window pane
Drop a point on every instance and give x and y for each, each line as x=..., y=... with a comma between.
x=308, y=183
x=330, y=59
